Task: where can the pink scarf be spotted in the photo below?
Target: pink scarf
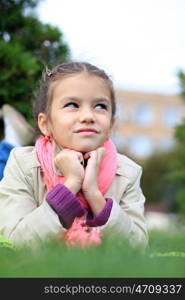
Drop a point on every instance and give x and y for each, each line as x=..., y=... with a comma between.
x=79, y=233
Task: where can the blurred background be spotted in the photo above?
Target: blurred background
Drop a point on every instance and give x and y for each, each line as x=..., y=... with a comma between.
x=141, y=45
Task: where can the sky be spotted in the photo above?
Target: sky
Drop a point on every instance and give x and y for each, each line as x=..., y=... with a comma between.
x=139, y=43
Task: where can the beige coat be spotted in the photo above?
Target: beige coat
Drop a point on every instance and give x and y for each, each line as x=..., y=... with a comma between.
x=26, y=217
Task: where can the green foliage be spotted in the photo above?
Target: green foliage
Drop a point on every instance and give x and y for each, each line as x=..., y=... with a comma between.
x=164, y=174
x=27, y=46
x=113, y=258
x=157, y=185
x=5, y=243
x=181, y=76
x=178, y=173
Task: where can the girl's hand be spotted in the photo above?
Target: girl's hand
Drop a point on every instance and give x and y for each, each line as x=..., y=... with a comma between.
x=90, y=182
x=70, y=163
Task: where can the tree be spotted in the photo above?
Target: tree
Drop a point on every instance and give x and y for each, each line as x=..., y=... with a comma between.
x=27, y=46
x=157, y=185
x=178, y=173
x=163, y=179
x=181, y=76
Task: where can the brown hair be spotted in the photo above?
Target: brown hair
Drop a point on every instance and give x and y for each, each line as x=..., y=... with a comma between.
x=44, y=95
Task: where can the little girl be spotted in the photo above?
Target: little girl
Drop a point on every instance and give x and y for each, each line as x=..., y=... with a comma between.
x=73, y=184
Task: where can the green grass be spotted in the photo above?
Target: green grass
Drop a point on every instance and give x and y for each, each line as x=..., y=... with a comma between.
x=165, y=257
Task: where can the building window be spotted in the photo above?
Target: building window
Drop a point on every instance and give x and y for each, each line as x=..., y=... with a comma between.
x=143, y=114
x=140, y=146
x=171, y=116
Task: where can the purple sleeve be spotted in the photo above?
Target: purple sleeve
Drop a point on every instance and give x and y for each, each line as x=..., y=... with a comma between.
x=103, y=216
x=65, y=204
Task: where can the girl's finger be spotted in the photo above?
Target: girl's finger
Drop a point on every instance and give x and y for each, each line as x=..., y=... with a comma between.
x=87, y=155
x=91, y=156
x=77, y=154
x=80, y=157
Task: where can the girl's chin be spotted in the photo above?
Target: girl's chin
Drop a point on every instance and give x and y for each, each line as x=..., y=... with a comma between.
x=85, y=149
x=82, y=148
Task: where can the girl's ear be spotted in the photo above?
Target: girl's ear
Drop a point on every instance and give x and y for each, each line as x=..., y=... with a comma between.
x=43, y=124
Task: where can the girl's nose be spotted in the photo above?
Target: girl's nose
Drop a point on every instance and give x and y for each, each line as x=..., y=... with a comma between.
x=87, y=116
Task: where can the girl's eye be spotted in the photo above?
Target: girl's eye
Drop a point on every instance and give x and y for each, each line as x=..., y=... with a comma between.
x=71, y=104
x=101, y=106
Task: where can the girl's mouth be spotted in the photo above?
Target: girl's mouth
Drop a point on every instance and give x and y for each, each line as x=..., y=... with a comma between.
x=87, y=131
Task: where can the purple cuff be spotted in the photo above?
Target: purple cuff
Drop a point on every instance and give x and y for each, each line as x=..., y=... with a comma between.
x=103, y=216
x=65, y=204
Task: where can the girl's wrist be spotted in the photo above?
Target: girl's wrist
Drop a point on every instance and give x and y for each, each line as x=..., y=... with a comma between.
x=96, y=201
x=92, y=193
x=72, y=185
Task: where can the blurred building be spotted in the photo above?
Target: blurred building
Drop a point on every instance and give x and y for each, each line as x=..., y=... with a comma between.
x=145, y=122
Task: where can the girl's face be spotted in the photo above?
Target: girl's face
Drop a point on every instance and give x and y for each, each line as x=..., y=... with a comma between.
x=80, y=115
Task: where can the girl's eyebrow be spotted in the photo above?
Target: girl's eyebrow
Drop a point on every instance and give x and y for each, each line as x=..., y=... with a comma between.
x=73, y=98
x=102, y=99
x=70, y=98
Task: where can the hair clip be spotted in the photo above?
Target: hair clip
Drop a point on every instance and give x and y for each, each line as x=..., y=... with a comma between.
x=49, y=73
